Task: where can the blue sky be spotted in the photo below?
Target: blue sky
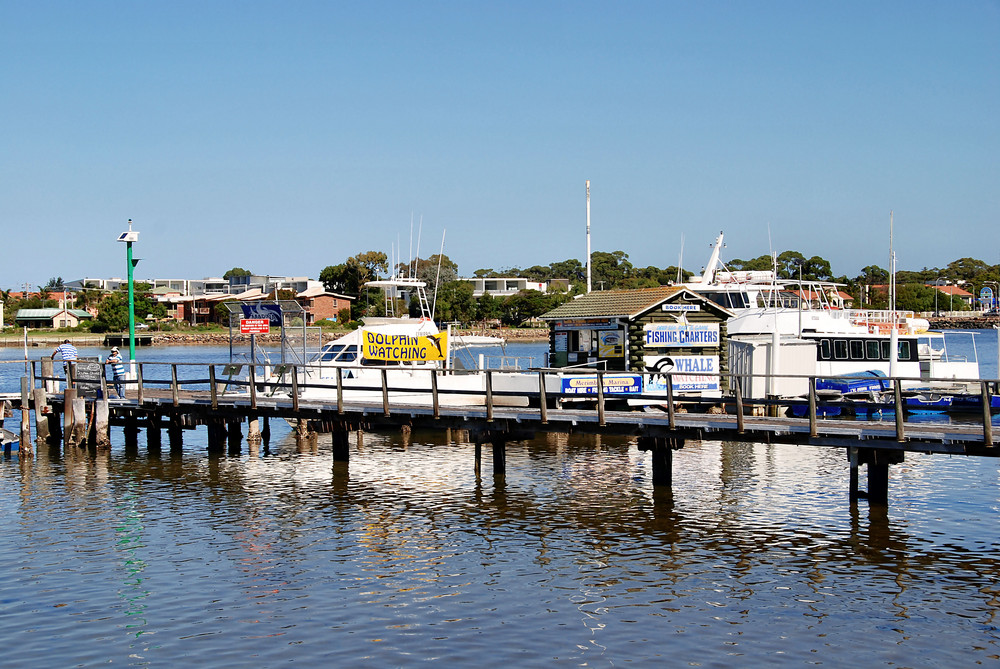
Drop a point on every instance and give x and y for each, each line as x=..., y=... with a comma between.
x=286, y=136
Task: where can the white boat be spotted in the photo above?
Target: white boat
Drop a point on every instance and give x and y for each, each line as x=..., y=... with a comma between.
x=407, y=357
x=783, y=327
x=477, y=340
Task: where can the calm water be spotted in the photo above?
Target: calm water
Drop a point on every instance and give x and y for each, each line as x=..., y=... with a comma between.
x=408, y=556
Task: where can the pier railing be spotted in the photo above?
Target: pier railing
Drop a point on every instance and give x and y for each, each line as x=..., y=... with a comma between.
x=548, y=390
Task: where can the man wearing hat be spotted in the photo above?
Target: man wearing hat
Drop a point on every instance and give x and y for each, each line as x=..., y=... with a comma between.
x=117, y=371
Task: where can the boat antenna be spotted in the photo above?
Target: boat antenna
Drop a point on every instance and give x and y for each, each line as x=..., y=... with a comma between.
x=409, y=259
x=680, y=262
x=416, y=260
x=437, y=279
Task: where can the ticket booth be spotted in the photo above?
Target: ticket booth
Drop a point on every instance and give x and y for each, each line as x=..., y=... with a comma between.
x=665, y=329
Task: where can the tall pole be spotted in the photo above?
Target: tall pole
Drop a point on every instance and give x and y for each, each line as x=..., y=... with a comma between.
x=588, y=235
x=128, y=237
x=131, y=300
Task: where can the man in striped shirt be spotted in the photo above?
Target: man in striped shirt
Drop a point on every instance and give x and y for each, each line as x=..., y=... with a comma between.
x=66, y=351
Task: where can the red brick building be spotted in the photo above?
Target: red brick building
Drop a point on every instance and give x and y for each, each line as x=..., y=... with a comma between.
x=320, y=304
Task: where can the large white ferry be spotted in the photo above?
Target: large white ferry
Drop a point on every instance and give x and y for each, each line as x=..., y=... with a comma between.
x=787, y=327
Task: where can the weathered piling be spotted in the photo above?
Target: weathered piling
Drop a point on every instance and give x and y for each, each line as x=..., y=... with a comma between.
x=102, y=421
x=499, y=456
x=216, y=428
x=25, y=418
x=235, y=434
x=662, y=455
x=131, y=431
x=175, y=433
x=341, y=443
x=154, y=437
x=41, y=414
x=253, y=431
x=78, y=436
x=50, y=384
x=67, y=426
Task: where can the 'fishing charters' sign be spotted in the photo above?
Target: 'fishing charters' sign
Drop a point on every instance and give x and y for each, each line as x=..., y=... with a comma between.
x=404, y=348
x=677, y=334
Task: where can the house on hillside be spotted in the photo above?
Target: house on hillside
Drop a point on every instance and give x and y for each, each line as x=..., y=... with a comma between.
x=51, y=318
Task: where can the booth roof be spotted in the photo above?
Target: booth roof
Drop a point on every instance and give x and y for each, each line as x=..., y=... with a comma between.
x=613, y=303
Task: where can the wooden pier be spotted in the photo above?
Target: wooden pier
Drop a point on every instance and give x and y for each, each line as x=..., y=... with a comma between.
x=177, y=401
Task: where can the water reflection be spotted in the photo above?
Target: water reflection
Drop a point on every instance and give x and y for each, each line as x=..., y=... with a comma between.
x=407, y=552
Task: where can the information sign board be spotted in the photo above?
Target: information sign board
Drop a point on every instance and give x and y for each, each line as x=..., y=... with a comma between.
x=614, y=384
x=272, y=312
x=255, y=326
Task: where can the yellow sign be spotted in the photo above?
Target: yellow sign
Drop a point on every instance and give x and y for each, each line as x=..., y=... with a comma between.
x=403, y=348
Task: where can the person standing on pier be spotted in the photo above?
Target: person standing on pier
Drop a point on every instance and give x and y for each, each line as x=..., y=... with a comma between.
x=117, y=371
x=67, y=352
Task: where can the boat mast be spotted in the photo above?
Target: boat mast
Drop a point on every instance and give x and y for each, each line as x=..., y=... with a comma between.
x=892, y=270
x=588, y=235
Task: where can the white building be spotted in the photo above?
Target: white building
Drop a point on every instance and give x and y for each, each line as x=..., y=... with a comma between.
x=503, y=286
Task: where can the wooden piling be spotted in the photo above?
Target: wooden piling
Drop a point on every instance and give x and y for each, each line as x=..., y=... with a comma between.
x=987, y=413
x=102, y=422
x=341, y=444
x=253, y=431
x=216, y=435
x=852, y=457
x=265, y=434
x=154, y=438
x=49, y=384
x=499, y=456
x=67, y=416
x=79, y=434
x=41, y=414
x=234, y=428
x=174, y=434
x=878, y=461
x=25, y=418
x=131, y=431
x=661, y=450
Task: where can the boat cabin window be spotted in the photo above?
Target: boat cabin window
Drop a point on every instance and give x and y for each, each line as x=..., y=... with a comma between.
x=339, y=353
x=851, y=348
x=728, y=299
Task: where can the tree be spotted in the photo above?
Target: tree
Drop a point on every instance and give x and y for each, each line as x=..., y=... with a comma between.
x=970, y=269
x=610, y=269
x=236, y=271
x=528, y=304
x=55, y=283
x=760, y=263
x=455, y=302
x=571, y=269
x=873, y=275
x=112, y=314
x=488, y=308
x=349, y=277
x=915, y=297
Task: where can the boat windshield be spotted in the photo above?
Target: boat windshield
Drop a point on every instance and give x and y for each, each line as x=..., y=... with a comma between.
x=339, y=353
